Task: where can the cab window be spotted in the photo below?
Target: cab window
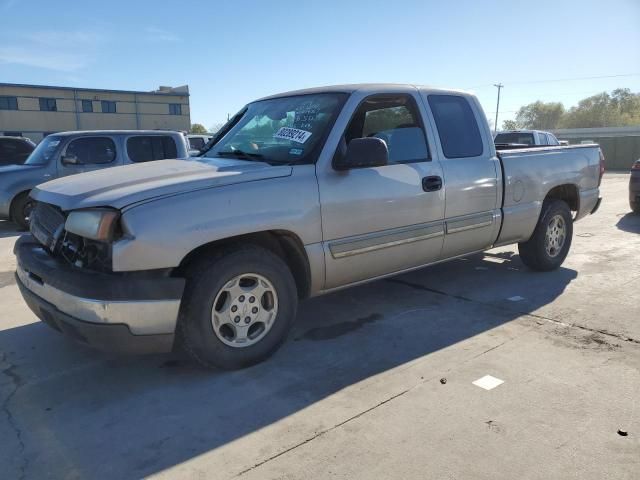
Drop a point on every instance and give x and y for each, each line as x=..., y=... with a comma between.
x=92, y=150
x=457, y=126
x=395, y=120
x=152, y=147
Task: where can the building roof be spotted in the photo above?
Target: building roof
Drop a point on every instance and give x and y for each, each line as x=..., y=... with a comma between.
x=181, y=90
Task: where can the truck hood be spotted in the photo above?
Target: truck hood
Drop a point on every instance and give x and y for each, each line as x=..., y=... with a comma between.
x=119, y=187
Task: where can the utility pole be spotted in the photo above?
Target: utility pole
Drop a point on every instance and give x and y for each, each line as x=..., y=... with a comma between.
x=499, y=87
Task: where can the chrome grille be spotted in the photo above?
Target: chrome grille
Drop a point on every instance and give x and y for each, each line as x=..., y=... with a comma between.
x=46, y=222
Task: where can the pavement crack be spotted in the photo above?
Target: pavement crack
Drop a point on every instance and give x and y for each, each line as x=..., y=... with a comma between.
x=417, y=286
x=327, y=430
x=16, y=382
x=618, y=336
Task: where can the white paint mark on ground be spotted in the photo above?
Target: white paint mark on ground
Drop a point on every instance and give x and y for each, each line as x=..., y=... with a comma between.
x=488, y=382
x=493, y=259
x=515, y=298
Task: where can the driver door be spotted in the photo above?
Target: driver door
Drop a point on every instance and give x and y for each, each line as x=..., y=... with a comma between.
x=380, y=220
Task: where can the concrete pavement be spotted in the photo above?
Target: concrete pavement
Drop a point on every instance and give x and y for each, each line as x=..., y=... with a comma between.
x=356, y=391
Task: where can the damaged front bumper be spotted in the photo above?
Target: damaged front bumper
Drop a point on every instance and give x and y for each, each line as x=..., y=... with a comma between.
x=124, y=312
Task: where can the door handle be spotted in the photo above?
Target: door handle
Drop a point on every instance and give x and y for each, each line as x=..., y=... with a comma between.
x=431, y=184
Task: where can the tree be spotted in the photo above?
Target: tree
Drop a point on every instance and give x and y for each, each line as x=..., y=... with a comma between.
x=197, y=128
x=215, y=127
x=618, y=109
x=509, y=125
x=540, y=115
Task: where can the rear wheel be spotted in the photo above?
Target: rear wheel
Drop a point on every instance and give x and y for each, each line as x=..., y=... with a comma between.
x=21, y=208
x=237, y=308
x=549, y=245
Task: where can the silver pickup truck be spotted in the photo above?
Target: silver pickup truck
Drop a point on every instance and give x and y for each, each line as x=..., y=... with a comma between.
x=299, y=194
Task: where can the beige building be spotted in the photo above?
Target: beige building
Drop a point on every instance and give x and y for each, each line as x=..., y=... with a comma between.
x=35, y=111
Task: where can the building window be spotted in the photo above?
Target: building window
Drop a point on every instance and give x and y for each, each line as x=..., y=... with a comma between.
x=48, y=105
x=175, y=109
x=108, y=107
x=8, y=103
x=87, y=106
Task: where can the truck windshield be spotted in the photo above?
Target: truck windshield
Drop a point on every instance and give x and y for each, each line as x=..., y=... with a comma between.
x=44, y=151
x=515, y=137
x=281, y=130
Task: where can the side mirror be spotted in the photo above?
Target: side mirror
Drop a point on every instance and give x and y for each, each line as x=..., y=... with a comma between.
x=69, y=159
x=363, y=153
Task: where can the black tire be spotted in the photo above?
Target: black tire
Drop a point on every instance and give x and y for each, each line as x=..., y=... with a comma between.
x=21, y=209
x=205, y=279
x=533, y=252
x=635, y=207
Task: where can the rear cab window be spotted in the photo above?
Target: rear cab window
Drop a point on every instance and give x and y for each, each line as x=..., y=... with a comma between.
x=522, y=138
x=457, y=126
x=146, y=148
x=196, y=143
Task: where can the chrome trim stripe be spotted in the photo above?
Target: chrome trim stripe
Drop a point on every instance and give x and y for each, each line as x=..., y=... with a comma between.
x=378, y=241
x=143, y=317
x=478, y=221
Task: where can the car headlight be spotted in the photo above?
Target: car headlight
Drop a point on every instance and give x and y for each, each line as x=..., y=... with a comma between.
x=96, y=224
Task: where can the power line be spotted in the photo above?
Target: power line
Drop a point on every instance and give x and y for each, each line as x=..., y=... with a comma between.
x=525, y=82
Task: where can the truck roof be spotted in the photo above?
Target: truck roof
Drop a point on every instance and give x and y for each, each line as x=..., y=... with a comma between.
x=523, y=130
x=113, y=132
x=364, y=87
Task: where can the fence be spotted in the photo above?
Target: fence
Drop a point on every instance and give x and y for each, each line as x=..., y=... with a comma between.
x=621, y=145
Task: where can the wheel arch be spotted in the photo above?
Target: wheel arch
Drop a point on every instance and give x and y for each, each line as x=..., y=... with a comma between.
x=568, y=193
x=283, y=243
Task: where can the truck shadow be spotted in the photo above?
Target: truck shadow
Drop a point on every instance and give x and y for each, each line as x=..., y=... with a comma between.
x=629, y=223
x=8, y=229
x=115, y=417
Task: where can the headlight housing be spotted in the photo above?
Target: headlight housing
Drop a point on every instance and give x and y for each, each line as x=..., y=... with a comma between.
x=100, y=224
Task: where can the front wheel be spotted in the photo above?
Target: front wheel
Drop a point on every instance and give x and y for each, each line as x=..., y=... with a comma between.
x=21, y=208
x=549, y=245
x=237, y=308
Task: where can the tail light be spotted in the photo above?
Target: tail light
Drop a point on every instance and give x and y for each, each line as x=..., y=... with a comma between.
x=636, y=165
x=601, y=166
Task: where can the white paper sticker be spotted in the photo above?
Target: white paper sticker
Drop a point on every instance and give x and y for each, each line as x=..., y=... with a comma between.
x=293, y=134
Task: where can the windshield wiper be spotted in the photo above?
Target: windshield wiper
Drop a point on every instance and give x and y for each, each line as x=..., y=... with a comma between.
x=240, y=154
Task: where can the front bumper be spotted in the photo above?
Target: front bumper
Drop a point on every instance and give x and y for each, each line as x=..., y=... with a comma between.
x=129, y=313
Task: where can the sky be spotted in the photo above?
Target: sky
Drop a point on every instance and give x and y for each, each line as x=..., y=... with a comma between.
x=230, y=53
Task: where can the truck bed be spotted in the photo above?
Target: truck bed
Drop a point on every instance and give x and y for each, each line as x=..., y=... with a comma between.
x=529, y=173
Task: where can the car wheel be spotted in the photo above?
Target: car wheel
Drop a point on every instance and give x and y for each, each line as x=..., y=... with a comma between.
x=237, y=308
x=635, y=207
x=21, y=208
x=549, y=245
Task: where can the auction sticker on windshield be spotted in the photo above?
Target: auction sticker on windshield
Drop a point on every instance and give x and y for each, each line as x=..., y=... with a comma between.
x=293, y=134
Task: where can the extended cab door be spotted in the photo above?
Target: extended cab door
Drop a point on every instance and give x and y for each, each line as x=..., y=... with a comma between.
x=380, y=220
x=471, y=171
x=85, y=154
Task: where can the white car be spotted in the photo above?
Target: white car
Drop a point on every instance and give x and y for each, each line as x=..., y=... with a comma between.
x=197, y=142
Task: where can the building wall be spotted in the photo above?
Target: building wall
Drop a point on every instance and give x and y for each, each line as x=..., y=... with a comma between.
x=134, y=110
x=620, y=145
